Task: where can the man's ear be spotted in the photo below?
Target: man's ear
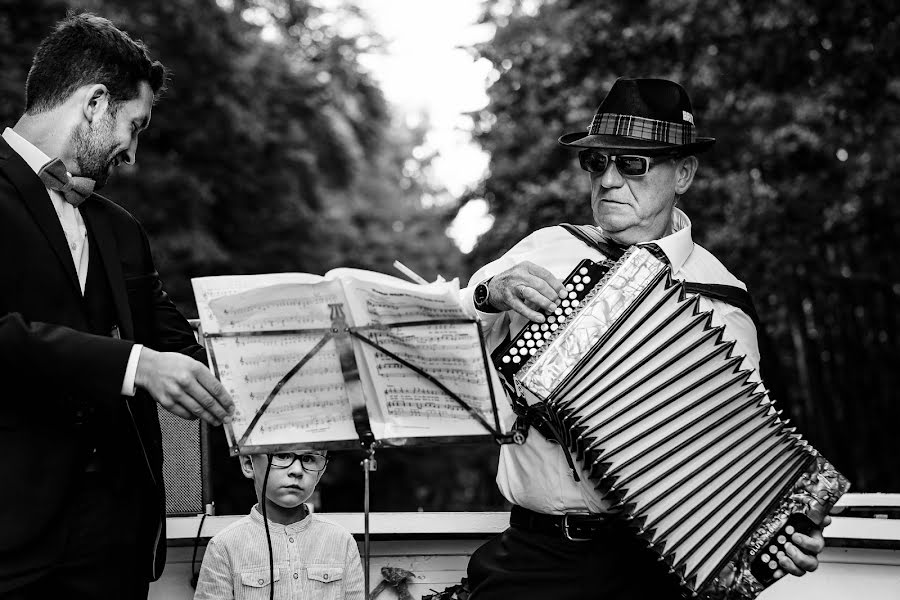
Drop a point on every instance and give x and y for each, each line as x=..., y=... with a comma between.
x=96, y=102
x=685, y=169
x=246, y=465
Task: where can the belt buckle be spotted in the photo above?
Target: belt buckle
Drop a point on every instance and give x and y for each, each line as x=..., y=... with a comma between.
x=565, y=525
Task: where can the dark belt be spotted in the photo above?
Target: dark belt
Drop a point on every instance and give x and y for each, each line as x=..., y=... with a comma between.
x=575, y=526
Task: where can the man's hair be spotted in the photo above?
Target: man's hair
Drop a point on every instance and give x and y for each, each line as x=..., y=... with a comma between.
x=85, y=49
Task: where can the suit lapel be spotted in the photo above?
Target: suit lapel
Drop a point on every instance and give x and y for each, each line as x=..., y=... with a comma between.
x=105, y=245
x=34, y=195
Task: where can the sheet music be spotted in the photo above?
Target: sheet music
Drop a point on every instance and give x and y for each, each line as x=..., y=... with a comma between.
x=409, y=405
x=312, y=406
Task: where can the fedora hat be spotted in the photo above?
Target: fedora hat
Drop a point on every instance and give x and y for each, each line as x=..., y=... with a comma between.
x=650, y=116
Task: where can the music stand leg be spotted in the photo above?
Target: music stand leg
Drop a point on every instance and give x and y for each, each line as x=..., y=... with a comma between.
x=368, y=465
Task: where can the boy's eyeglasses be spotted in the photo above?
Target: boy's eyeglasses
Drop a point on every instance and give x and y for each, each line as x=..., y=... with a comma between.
x=629, y=165
x=313, y=463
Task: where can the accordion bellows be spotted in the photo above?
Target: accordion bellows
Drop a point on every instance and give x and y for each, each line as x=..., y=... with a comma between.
x=675, y=436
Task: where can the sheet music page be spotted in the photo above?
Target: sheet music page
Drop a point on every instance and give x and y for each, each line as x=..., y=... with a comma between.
x=312, y=406
x=407, y=404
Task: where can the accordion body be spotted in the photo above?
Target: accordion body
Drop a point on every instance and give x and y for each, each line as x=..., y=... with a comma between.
x=675, y=437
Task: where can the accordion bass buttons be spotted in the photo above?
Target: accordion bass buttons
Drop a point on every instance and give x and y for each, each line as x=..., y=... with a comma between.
x=765, y=563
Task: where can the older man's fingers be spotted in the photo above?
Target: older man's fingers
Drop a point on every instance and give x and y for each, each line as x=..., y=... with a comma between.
x=523, y=309
x=555, y=287
x=803, y=560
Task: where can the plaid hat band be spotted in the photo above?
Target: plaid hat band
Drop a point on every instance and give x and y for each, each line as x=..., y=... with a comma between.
x=641, y=128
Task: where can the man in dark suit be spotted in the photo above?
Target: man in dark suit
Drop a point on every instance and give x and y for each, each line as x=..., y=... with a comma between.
x=88, y=337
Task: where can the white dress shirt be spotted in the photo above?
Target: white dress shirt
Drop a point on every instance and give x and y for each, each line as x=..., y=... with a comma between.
x=536, y=475
x=74, y=229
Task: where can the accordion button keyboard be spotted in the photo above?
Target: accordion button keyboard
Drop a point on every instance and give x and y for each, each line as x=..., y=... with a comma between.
x=510, y=356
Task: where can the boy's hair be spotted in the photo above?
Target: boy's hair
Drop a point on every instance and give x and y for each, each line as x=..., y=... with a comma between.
x=85, y=49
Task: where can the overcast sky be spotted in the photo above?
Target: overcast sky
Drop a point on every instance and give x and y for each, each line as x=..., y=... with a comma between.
x=425, y=70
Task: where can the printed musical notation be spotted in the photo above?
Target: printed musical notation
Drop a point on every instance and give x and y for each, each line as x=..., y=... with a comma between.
x=260, y=327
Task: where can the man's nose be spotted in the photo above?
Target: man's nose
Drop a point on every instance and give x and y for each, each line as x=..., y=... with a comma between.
x=130, y=153
x=611, y=178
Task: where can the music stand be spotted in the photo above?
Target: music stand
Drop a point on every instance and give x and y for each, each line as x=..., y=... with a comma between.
x=343, y=335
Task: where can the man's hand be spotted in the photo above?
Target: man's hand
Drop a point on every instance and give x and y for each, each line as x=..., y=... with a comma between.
x=525, y=289
x=801, y=552
x=183, y=386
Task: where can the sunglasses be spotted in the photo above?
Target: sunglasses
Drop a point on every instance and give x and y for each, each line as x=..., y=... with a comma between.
x=628, y=165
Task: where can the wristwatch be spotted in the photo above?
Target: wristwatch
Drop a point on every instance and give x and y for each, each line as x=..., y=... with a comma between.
x=481, y=297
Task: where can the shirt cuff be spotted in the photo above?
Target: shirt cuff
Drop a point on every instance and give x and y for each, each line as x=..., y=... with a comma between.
x=131, y=370
x=468, y=303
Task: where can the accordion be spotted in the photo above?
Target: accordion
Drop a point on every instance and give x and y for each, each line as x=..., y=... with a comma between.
x=675, y=437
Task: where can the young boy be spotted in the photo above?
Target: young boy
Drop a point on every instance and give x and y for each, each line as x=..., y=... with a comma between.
x=314, y=559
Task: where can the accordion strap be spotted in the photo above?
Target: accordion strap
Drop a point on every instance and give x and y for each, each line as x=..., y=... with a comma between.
x=592, y=237
x=729, y=294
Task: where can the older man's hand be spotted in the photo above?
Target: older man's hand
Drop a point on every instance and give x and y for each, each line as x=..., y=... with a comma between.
x=801, y=552
x=526, y=289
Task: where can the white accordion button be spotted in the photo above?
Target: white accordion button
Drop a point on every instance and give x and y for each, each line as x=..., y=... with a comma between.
x=505, y=359
x=516, y=359
x=583, y=270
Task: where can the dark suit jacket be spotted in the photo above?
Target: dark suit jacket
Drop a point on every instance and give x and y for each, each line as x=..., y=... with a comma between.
x=48, y=361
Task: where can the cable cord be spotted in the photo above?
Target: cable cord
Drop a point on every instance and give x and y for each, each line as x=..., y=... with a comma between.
x=262, y=502
x=195, y=575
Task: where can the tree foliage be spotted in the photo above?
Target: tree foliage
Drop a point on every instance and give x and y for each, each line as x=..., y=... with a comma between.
x=796, y=197
x=272, y=150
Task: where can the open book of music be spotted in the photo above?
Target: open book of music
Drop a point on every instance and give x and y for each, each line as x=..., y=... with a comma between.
x=347, y=358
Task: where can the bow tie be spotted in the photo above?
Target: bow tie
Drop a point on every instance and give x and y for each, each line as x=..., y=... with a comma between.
x=73, y=188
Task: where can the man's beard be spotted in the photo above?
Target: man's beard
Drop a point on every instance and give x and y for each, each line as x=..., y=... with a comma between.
x=93, y=146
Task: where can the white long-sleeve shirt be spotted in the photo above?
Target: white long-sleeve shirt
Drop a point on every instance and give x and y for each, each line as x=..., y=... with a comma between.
x=314, y=560
x=536, y=474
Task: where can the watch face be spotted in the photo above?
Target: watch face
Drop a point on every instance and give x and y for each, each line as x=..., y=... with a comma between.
x=481, y=293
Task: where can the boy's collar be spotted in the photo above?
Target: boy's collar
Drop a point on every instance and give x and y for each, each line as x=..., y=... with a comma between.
x=298, y=525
